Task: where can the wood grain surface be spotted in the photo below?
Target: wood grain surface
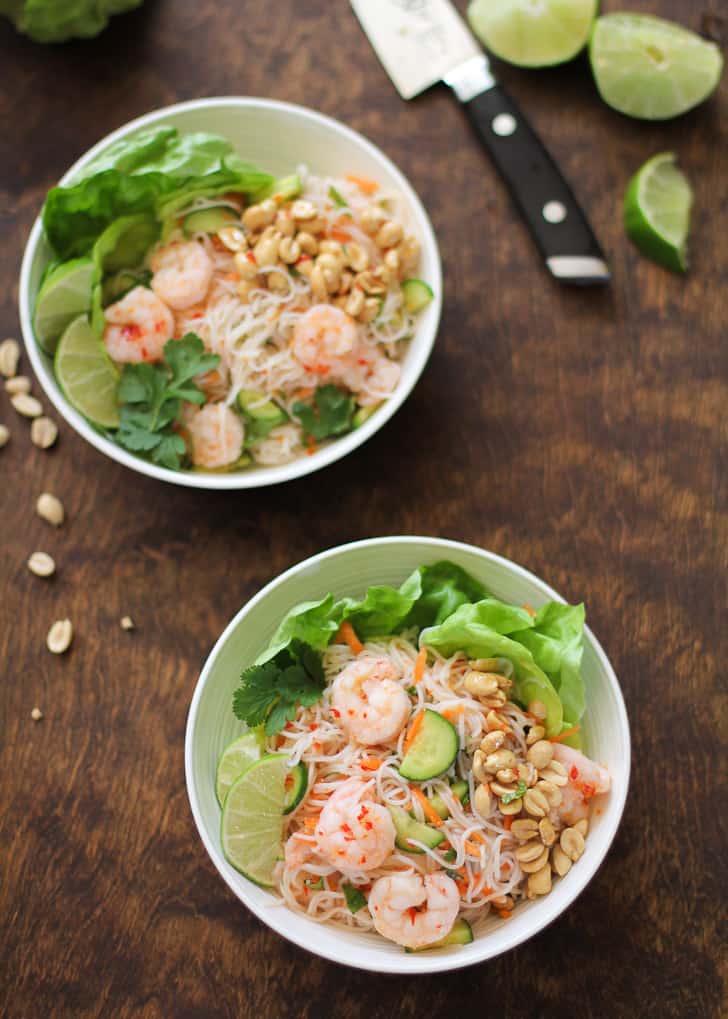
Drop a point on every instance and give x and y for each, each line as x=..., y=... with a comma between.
x=581, y=433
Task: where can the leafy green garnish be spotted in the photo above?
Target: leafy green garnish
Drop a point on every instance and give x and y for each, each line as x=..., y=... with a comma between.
x=329, y=414
x=517, y=793
x=315, y=886
x=451, y=856
x=270, y=693
x=453, y=874
x=412, y=691
x=355, y=900
x=337, y=198
x=151, y=395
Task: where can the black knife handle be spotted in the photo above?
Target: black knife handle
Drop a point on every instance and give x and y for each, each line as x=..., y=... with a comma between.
x=547, y=203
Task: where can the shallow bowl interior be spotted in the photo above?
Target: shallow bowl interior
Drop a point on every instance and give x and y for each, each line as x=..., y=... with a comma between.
x=278, y=137
x=348, y=570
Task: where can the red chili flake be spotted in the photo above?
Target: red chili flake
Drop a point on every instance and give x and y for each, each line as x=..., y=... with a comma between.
x=313, y=726
x=132, y=332
x=346, y=828
x=362, y=361
x=412, y=914
x=303, y=258
x=364, y=714
x=588, y=790
x=251, y=257
x=335, y=713
x=368, y=825
x=363, y=860
x=350, y=711
x=574, y=773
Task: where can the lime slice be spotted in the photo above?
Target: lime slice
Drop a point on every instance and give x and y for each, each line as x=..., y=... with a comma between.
x=234, y=759
x=657, y=211
x=63, y=296
x=651, y=68
x=533, y=33
x=86, y=374
x=251, y=829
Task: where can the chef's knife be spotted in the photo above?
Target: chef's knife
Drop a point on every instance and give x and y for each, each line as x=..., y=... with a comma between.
x=421, y=42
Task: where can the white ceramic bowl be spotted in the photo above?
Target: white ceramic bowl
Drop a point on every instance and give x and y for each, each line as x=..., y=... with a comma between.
x=348, y=570
x=278, y=137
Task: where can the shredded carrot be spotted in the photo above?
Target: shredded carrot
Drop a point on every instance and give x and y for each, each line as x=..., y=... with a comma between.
x=477, y=837
x=331, y=882
x=420, y=664
x=530, y=609
x=507, y=822
x=472, y=850
x=430, y=813
x=347, y=635
x=342, y=236
x=505, y=914
x=451, y=713
x=413, y=730
x=370, y=763
x=565, y=734
x=365, y=185
x=310, y=822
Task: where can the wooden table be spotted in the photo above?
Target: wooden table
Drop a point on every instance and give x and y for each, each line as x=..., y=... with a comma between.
x=581, y=433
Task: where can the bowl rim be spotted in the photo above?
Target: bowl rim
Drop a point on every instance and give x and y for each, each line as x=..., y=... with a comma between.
x=275, y=919
x=420, y=346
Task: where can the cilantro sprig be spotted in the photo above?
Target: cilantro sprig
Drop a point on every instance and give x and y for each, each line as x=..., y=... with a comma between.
x=270, y=693
x=516, y=793
x=151, y=396
x=330, y=413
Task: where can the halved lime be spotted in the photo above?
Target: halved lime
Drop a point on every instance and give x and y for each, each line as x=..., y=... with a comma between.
x=652, y=68
x=63, y=296
x=251, y=828
x=533, y=33
x=657, y=211
x=234, y=759
x=86, y=374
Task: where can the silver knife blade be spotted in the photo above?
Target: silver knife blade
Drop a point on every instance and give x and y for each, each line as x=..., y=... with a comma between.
x=417, y=41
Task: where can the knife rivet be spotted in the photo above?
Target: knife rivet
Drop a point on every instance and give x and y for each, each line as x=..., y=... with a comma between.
x=504, y=124
x=554, y=212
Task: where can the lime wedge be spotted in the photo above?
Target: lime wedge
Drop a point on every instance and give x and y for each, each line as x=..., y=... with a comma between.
x=251, y=828
x=234, y=759
x=64, y=295
x=651, y=68
x=657, y=211
x=533, y=33
x=86, y=374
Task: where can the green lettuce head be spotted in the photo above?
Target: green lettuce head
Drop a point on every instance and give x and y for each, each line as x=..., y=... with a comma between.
x=59, y=20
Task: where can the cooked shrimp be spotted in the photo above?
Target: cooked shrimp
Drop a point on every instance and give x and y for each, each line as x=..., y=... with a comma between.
x=325, y=340
x=216, y=435
x=382, y=380
x=299, y=850
x=586, y=779
x=354, y=833
x=373, y=707
x=396, y=906
x=137, y=327
x=182, y=273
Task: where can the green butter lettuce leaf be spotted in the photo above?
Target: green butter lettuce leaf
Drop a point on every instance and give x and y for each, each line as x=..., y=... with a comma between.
x=124, y=244
x=556, y=642
x=59, y=20
x=481, y=631
x=454, y=612
x=155, y=173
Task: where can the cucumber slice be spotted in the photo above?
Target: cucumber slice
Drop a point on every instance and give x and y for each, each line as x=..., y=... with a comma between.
x=407, y=828
x=296, y=785
x=363, y=414
x=417, y=295
x=256, y=405
x=114, y=287
x=208, y=221
x=433, y=749
x=459, y=789
x=461, y=934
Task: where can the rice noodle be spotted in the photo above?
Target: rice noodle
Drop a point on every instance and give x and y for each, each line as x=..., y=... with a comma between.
x=317, y=738
x=253, y=336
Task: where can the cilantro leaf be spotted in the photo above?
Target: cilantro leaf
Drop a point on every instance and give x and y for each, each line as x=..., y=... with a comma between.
x=330, y=414
x=272, y=692
x=150, y=398
x=355, y=900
